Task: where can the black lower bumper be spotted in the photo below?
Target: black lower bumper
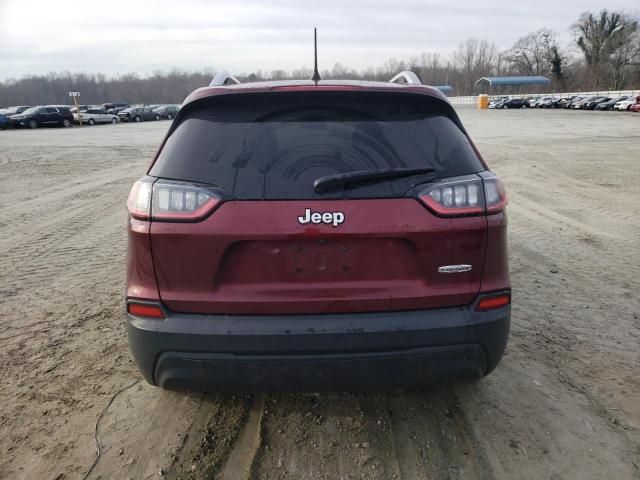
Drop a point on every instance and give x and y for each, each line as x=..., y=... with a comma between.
x=337, y=352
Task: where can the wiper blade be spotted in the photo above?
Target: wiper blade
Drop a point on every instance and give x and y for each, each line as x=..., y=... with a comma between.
x=339, y=180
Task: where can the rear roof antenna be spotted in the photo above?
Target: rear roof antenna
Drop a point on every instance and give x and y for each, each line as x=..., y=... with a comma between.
x=316, y=76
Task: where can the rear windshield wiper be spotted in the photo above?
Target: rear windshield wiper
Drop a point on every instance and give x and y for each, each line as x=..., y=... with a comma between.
x=339, y=180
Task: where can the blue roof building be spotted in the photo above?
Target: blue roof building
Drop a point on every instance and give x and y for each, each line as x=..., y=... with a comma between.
x=511, y=81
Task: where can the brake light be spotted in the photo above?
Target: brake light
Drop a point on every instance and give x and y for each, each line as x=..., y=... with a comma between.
x=139, y=201
x=145, y=310
x=462, y=196
x=167, y=200
x=493, y=302
x=181, y=201
x=455, y=197
x=494, y=194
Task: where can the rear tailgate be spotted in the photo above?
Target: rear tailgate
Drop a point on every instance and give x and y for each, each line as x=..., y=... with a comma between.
x=255, y=258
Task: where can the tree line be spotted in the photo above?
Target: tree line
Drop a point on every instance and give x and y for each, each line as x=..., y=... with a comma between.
x=604, y=55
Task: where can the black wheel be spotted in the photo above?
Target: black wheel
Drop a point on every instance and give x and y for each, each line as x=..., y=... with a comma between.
x=169, y=116
x=157, y=117
x=33, y=124
x=138, y=119
x=114, y=120
x=91, y=121
x=66, y=123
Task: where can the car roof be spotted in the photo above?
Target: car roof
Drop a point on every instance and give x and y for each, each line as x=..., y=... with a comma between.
x=310, y=86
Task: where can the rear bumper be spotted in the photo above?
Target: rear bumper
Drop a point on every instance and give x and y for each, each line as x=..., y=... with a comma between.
x=338, y=352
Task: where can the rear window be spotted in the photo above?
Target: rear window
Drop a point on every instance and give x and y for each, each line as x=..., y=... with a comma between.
x=275, y=145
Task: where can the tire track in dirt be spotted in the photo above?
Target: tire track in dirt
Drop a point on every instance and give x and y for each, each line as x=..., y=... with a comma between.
x=240, y=461
x=432, y=438
x=325, y=436
x=211, y=438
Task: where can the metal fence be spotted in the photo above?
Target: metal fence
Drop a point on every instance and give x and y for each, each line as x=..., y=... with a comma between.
x=472, y=99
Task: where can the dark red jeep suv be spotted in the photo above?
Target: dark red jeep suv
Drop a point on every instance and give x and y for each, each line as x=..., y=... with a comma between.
x=308, y=236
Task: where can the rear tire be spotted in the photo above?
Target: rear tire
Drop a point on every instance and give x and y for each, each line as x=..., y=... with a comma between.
x=33, y=124
x=157, y=117
x=138, y=119
x=91, y=121
x=169, y=116
x=66, y=123
x=114, y=120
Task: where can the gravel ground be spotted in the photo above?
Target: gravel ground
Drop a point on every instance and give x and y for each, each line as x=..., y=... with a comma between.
x=563, y=404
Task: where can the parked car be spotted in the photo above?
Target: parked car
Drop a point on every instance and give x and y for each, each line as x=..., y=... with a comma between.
x=496, y=100
x=563, y=101
x=593, y=103
x=625, y=104
x=533, y=101
x=516, y=103
x=265, y=209
x=609, y=104
x=137, y=114
x=115, y=107
x=9, y=111
x=573, y=101
x=95, y=115
x=46, y=116
x=167, y=111
x=499, y=104
x=635, y=107
x=580, y=105
x=538, y=102
x=4, y=122
x=549, y=102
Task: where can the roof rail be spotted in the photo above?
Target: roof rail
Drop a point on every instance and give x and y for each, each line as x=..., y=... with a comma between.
x=407, y=77
x=222, y=79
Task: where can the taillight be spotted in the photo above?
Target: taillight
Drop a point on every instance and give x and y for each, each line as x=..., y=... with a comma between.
x=493, y=302
x=181, y=201
x=139, y=201
x=494, y=195
x=173, y=201
x=461, y=196
x=454, y=197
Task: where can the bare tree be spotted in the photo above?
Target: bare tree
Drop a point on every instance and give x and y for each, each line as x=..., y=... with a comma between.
x=474, y=58
x=531, y=54
x=599, y=37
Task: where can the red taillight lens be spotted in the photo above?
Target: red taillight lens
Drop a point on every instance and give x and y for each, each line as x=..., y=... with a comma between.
x=145, y=310
x=139, y=201
x=455, y=197
x=494, y=194
x=181, y=201
x=493, y=302
x=462, y=196
x=172, y=201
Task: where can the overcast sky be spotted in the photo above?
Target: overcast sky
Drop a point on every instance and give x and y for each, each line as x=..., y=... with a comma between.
x=118, y=36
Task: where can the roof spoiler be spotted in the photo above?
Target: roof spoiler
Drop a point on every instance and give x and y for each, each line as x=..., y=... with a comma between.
x=222, y=79
x=407, y=77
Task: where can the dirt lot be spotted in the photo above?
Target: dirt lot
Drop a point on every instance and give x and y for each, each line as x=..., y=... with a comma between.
x=563, y=404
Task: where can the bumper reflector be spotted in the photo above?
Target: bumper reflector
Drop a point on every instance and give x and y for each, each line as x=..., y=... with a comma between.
x=145, y=310
x=493, y=302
